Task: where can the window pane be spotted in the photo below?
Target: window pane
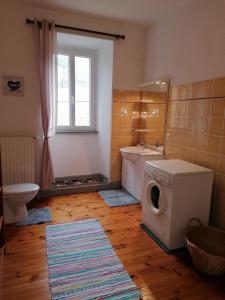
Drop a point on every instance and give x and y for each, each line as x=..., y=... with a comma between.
x=63, y=115
x=82, y=114
x=82, y=91
x=82, y=78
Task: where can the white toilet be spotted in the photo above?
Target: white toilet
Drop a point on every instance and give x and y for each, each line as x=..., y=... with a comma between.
x=15, y=197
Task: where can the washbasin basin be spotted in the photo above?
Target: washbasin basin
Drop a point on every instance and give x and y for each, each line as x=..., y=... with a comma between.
x=138, y=150
x=133, y=153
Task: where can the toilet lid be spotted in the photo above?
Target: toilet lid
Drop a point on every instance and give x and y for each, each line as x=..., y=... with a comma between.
x=20, y=188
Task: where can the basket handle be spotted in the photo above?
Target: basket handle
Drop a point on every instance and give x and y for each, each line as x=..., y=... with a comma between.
x=191, y=222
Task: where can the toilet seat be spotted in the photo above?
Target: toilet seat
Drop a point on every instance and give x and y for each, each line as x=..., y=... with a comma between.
x=20, y=188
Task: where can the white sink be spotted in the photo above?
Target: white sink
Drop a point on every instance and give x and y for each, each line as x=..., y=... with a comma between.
x=134, y=158
x=134, y=152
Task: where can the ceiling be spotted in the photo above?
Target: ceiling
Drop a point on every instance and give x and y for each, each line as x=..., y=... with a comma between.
x=139, y=11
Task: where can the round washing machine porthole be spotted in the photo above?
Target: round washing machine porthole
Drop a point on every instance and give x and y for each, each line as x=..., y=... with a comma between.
x=156, y=196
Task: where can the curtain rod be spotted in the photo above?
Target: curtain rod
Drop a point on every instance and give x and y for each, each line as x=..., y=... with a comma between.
x=116, y=36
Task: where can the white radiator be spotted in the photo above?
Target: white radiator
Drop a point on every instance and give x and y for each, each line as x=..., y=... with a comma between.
x=18, y=158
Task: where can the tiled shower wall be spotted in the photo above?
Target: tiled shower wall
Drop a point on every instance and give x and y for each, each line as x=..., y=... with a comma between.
x=126, y=118
x=196, y=133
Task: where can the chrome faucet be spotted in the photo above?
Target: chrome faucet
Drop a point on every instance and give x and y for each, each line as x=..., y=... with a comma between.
x=144, y=145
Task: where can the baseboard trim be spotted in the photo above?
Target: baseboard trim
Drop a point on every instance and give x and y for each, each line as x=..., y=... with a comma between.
x=65, y=191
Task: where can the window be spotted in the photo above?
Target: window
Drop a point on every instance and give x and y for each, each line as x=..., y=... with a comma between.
x=75, y=97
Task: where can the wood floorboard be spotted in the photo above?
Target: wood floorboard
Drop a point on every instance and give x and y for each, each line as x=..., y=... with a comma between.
x=158, y=275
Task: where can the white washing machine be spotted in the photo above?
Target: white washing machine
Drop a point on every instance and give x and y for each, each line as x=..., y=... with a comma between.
x=174, y=191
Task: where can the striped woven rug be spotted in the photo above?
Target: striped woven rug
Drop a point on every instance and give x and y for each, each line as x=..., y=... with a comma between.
x=83, y=265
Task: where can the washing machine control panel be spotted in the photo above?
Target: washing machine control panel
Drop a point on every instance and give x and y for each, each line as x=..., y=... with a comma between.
x=158, y=176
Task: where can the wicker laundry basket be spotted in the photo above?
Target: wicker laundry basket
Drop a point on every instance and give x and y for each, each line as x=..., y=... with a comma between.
x=207, y=247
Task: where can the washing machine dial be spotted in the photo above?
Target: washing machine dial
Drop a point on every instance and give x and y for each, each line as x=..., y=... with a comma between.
x=165, y=180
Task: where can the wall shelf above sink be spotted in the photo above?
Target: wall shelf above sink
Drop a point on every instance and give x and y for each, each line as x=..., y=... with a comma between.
x=143, y=130
x=147, y=101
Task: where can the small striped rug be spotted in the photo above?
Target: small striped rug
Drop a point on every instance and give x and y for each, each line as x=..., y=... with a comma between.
x=83, y=265
x=118, y=197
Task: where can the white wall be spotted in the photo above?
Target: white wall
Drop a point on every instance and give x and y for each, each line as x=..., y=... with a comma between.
x=188, y=45
x=21, y=116
x=104, y=109
x=75, y=154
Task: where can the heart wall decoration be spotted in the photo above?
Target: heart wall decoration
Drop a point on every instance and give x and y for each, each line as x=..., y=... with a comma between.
x=12, y=85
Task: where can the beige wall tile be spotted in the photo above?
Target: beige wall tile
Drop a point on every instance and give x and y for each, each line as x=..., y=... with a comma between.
x=180, y=92
x=196, y=132
x=201, y=89
x=154, y=96
x=116, y=130
x=116, y=108
x=126, y=96
x=115, y=174
x=219, y=87
x=172, y=107
x=116, y=119
x=169, y=150
x=116, y=141
x=180, y=123
x=221, y=167
x=180, y=109
x=198, y=157
x=183, y=91
x=210, y=161
x=191, y=108
x=202, y=107
x=189, y=123
x=200, y=142
x=213, y=144
x=223, y=131
x=184, y=139
x=183, y=153
x=222, y=146
x=170, y=136
x=173, y=93
x=218, y=107
x=201, y=125
x=215, y=125
x=220, y=184
x=115, y=152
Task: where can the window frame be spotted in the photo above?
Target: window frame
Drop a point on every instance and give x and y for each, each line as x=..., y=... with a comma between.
x=73, y=52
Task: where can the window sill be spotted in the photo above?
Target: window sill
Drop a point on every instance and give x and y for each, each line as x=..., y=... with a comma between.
x=77, y=131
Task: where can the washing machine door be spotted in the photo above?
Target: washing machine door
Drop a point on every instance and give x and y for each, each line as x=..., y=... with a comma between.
x=156, y=196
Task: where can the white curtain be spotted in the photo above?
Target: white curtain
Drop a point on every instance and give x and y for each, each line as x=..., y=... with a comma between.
x=45, y=43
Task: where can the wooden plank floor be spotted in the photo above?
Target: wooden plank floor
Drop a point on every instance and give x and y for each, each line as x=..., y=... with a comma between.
x=158, y=275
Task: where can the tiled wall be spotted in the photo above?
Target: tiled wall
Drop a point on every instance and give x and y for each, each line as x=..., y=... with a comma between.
x=126, y=118
x=153, y=117
x=196, y=133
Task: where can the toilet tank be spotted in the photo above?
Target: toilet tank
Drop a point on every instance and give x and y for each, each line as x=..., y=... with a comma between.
x=133, y=161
